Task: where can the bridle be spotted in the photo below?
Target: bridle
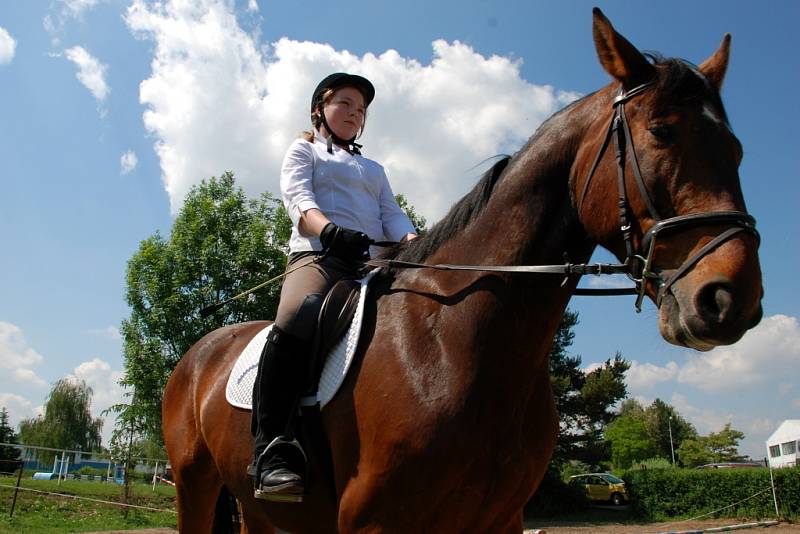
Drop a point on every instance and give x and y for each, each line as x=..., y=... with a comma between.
x=640, y=263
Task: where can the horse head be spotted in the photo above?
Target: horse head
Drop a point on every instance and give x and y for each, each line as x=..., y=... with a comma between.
x=679, y=215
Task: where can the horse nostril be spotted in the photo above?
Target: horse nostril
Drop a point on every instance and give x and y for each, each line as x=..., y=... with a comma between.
x=715, y=302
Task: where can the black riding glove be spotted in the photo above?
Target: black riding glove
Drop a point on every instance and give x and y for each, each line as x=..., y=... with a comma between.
x=345, y=243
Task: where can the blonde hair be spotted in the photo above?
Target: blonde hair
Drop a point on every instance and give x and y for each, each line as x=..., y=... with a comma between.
x=316, y=116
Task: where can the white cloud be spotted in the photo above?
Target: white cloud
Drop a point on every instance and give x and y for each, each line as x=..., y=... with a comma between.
x=28, y=376
x=62, y=12
x=14, y=350
x=8, y=45
x=128, y=162
x=91, y=73
x=644, y=376
x=106, y=390
x=18, y=407
x=768, y=354
x=109, y=332
x=252, y=5
x=77, y=7
x=216, y=100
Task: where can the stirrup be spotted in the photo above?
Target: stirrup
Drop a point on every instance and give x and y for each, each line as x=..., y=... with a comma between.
x=275, y=495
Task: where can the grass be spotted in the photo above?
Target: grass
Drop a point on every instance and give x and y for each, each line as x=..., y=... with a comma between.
x=39, y=513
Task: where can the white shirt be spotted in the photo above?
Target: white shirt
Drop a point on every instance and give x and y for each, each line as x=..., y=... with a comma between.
x=351, y=190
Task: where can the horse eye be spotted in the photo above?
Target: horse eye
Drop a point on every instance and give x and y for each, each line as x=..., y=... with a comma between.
x=661, y=132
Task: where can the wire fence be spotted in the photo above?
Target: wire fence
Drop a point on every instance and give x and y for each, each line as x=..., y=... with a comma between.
x=66, y=463
x=60, y=472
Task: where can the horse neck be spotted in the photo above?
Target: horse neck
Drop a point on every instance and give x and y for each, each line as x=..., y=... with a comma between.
x=530, y=219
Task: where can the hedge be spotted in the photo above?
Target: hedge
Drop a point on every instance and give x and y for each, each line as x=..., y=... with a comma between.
x=662, y=494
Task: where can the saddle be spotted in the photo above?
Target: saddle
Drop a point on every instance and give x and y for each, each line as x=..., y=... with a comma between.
x=335, y=315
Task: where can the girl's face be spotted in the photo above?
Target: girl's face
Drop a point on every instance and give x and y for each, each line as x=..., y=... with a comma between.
x=345, y=112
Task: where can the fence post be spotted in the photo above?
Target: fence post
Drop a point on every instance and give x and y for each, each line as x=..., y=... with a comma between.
x=16, y=490
x=155, y=476
x=774, y=497
x=61, y=467
x=108, y=471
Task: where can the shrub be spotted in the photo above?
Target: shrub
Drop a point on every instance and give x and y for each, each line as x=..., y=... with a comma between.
x=554, y=497
x=661, y=494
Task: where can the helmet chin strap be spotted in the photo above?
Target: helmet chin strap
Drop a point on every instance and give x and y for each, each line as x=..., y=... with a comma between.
x=333, y=138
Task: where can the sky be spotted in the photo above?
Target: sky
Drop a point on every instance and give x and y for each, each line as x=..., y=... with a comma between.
x=111, y=110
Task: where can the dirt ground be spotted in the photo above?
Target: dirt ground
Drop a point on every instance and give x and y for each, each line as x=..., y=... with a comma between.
x=561, y=527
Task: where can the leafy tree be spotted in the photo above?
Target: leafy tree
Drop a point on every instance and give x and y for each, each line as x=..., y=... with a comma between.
x=584, y=400
x=630, y=442
x=716, y=447
x=7, y=435
x=724, y=444
x=693, y=452
x=417, y=220
x=67, y=422
x=659, y=419
x=220, y=245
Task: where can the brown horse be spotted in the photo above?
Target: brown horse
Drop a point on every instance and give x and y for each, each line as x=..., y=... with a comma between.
x=447, y=421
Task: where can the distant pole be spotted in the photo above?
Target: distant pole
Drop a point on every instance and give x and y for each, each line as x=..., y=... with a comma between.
x=671, y=447
x=155, y=476
x=772, y=483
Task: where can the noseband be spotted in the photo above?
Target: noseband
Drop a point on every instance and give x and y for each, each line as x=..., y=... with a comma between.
x=640, y=263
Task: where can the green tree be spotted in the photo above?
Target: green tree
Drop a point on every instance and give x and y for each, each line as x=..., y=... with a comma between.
x=724, y=445
x=7, y=435
x=220, y=245
x=417, y=220
x=630, y=442
x=660, y=418
x=585, y=400
x=67, y=422
x=717, y=447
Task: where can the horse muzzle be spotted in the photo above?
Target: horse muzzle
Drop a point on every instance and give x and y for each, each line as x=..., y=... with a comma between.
x=707, y=310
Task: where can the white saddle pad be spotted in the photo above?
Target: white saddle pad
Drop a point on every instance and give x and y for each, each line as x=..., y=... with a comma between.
x=239, y=390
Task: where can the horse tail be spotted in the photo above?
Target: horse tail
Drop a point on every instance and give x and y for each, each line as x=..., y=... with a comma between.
x=227, y=519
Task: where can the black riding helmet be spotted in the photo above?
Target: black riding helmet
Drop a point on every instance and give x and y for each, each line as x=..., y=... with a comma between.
x=335, y=81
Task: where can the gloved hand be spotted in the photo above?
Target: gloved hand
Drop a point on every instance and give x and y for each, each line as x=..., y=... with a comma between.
x=345, y=243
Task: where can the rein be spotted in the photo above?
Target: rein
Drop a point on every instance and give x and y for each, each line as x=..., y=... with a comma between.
x=638, y=266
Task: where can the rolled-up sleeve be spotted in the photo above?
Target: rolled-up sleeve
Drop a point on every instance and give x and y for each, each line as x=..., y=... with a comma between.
x=396, y=223
x=297, y=172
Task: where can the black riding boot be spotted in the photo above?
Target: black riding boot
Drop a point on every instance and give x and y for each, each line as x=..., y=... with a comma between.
x=278, y=384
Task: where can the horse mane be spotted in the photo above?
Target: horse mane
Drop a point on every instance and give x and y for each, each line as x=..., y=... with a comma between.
x=680, y=82
x=459, y=216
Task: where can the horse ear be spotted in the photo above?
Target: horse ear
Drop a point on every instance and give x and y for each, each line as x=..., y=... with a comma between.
x=617, y=55
x=715, y=66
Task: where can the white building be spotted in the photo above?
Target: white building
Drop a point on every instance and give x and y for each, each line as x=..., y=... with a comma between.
x=783, y=446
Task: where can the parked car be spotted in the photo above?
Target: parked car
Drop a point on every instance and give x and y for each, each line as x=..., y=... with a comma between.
x=602, y=487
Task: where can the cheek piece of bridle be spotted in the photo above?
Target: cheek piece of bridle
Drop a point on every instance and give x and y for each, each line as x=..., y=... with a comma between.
x=640, y=264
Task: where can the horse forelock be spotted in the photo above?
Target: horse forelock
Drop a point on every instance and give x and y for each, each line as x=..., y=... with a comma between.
x=681, y=82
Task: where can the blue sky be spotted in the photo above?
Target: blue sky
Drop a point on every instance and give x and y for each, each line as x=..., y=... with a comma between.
x=111, y=110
